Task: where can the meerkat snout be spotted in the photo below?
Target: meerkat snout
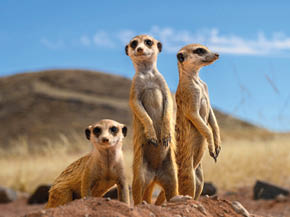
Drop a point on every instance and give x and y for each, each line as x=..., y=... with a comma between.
x=106, y=133
x=105, y=140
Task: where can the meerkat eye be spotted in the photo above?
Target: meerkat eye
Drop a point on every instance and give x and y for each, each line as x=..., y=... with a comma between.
x=114, y=130
x=134, y=44
x=200, y=51
x=148, y=42
x=97, y=131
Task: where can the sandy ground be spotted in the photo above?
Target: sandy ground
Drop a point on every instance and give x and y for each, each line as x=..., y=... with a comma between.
x=206, y=206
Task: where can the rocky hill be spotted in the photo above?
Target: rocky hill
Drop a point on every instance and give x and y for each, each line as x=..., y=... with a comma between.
x=40, y=106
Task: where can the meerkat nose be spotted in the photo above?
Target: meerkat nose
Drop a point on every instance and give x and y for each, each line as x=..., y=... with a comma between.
x=105, y=140
x=139, y=50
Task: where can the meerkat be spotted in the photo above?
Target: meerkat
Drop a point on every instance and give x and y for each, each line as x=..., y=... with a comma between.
x=153, y=136
x=95, y=173
x=195, y=120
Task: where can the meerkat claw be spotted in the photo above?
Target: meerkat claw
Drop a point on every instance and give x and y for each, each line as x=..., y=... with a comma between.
x=153, y=142
x=166, y=141
x=213, y=156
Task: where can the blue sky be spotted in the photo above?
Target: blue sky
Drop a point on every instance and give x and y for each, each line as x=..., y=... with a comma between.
x=250, y=80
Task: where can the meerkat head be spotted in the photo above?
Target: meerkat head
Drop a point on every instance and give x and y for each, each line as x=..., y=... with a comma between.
x=143, y=48
x=106, y=133
x=194, y=56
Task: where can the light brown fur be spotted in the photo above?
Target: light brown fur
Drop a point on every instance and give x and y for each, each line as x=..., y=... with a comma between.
x=152, y=108
x=195, y=121
x=95, y=173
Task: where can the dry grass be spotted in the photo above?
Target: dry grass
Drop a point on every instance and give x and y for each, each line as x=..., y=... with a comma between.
x=240, y=163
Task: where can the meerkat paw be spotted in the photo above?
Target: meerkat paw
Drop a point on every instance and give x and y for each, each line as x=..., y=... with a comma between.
x=152, y=142
x=151, y=138
x=213, y=155
x=166, y=140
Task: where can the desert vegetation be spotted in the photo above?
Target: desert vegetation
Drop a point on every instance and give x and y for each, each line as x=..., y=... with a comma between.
x=241, y=162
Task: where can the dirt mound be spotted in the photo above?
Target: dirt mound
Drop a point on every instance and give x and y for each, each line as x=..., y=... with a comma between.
x=42, y=106
x=100, y=207
x=267, y=208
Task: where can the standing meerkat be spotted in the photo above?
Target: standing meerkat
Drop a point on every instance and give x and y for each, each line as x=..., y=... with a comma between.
x=152, y=107
x=195, y=120
x=95, y=173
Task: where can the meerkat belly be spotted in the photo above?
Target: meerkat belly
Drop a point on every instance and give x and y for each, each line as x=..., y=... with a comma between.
x=189, y=140
x=152, y=100
x=204, y=109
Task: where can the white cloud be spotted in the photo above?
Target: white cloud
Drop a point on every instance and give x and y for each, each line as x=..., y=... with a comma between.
x=125, y=36
x=52, y=44
x=85, y=40
x=173, y=40
x=102, y=38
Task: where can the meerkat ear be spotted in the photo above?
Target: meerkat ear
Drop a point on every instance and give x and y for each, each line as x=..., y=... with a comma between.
x=124, y=131
x=180, y=57
x=126, y=50
x=88, y=133
x=159, y=45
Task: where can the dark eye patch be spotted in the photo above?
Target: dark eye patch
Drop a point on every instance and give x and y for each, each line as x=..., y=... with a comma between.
x=97, y=131
x=200, y=51
x=148, y=42
x=114, y=130
x=134, y=44
x=180, y=57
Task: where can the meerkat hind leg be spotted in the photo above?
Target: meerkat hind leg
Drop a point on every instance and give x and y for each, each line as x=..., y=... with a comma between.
x=141, y=180
x=148, y=192
x=187, y=182
x=199, y=178
x=168, y=180
x=59, y=197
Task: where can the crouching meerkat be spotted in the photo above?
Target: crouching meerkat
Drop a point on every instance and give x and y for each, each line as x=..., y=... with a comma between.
x=195, y=120
x=152, y=107
x=95, y=173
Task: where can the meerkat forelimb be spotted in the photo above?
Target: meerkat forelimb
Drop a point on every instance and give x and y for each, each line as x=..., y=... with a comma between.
x=152, y=108
x=97, y=172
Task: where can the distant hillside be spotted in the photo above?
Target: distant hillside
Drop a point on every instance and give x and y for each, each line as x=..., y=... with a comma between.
x=43, y=105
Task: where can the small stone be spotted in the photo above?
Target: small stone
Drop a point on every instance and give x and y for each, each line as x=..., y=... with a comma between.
x=87, y=215
x=7, y=195
x=144, y=202
x=238, y=207
x=194, y=205
x=40, y=195
x=201, y=209
x=152, y=214
x=214, y=197
x=180, y=198
x=131, y=209
x=187, y=210
x=281, y=198
x=43, y=211
x=108, y=199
